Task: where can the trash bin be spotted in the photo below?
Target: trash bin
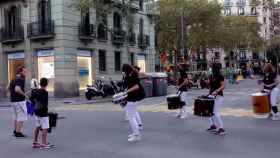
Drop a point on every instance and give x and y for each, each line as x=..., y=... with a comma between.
x=159, y=84
x=147, y=84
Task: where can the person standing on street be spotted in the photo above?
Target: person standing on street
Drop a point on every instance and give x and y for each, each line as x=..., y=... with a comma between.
x=217, y=85
x=270, y=83
x=135, y=93
x=18, y=96
x=183, y=89
x=40, y=100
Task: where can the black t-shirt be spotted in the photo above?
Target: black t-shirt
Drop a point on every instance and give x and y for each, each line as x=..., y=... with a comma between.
x=18, y=81
x=183, y=77
x=130, y=81
x=216, y=83
x=268, y=79
x=41, y=97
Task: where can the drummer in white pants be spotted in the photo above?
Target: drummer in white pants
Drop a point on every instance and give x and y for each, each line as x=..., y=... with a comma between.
x=183, y=89
x=217, y=86
x=270, y=83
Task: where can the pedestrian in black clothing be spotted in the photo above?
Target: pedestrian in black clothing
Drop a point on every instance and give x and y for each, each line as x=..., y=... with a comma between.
x=40, y=100
x=17, y=92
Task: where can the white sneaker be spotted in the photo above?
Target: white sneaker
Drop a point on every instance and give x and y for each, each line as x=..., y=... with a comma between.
x=134, y=138
x=131, y=135
x=183, y=117
x=141, y=128
x=275, y=118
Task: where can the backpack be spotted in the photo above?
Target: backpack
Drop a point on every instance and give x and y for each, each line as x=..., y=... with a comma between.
x=37, y=104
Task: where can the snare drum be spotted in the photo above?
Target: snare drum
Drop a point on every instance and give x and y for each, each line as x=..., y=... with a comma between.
x=204, y=107
x=260, y=103
x=174, y=102
x=120, y=98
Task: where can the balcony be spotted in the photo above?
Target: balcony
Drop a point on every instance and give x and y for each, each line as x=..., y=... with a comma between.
x=41, y=30
x=228, y=3
x=131, y=38
x=9, y=36
x=143, y=41
x=118, y=37
x=241, y=3
x=87, y=32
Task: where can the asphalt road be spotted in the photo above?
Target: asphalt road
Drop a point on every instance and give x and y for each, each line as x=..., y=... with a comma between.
x=99, y=131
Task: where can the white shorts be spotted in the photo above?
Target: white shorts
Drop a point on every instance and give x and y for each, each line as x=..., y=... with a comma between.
x=184, y=97
x=42, y=122
x=20, y=111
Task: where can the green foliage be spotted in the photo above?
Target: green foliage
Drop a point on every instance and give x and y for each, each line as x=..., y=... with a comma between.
x=206, y=26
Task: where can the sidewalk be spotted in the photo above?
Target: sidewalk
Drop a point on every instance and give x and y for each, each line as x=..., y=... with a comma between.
x=4, y=102
x=53, y=101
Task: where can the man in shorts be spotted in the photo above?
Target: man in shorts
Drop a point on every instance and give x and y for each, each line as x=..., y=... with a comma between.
x=18, y=101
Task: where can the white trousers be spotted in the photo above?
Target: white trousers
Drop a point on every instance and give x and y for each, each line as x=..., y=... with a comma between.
x=274, y=96
x=216, y=118
x=183, y=110
x=133, y=117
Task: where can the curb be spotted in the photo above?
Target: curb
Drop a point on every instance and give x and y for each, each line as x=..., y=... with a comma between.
x=66, y=102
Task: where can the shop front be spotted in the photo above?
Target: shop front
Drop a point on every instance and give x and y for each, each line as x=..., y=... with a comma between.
x=45, y=59
x=85, y=63
x=15, y=60
x=141, y=61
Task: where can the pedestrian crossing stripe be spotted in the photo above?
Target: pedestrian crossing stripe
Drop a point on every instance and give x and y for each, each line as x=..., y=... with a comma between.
x=235, y=112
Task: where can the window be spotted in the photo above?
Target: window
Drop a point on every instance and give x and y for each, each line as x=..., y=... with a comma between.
x=44, y=14
x=141, y=62
x=117, y=61
x=117, y=21
x=12, y=20
x=264, y=20
x=84, y=68
x=254, y=11
x=15, y=60
x=217, y=55
x=46, y=66
x=255, y=56
x=85, y=21
x=141, y=5
x=131, y=58
x=141, y=26
x=242, y=54
x=241, y=11
x=102, y=26
x=102, y=60
x=227, y=11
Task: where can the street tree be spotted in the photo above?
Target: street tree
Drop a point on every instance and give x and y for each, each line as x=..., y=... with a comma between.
x=241, y=32
x=198, y=21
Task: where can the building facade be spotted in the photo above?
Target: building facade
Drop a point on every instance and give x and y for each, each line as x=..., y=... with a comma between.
x=262, y=10
x=276, y=20
x=55, y=40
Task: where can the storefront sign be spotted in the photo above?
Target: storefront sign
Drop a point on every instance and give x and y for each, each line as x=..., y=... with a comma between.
x=18, y=55
x=84, y=53
x=83, y=71
x=45, y=53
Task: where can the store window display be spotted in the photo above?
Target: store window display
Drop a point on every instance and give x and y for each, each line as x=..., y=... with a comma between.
x=46, y=67
x=15, y=60
x=84, y=69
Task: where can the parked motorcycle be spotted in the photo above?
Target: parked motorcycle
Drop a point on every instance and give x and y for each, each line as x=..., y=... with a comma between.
x=94, y=90
x=102, y=89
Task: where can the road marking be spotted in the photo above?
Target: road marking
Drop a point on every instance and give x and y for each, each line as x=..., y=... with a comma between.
x=157, y=108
